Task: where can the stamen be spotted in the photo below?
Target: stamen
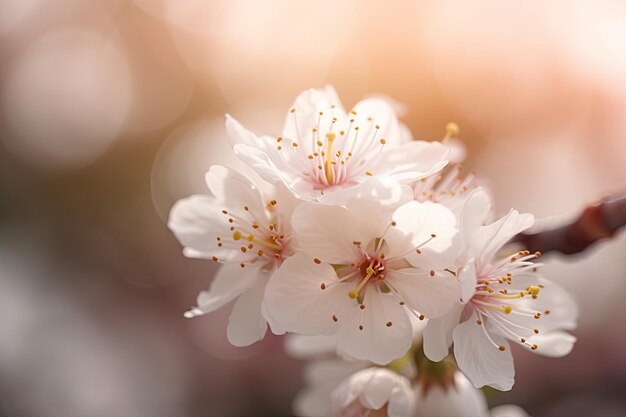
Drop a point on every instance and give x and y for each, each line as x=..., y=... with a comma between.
x=534, y=291
x=237, y=235
x=452, y=131
x=507, y=331
x=416, y=249
x=494, y=344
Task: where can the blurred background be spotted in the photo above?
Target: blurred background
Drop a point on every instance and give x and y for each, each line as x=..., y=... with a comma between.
x=111, y=110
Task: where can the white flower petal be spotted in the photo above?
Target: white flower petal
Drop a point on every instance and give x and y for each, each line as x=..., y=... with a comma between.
x=433, y=296
x=327, y=232
x=195, y=222
x=418, y=222
x=234, y=191
x=438, y=334
x=473, y=215
x=238, y=134
x=553, y=344
x=261, y=153
x=382, y=114
x=563, y=307
x=321, y=378
x=377, y=391
x=458, y=151
x=412, y=161
x=487, y=240
x=261, y=162
x=378, y=341
x=508, y=410
x=467, y=279
x=229, y=282
x=246, y=324
x=481, y=361
x=306, y=111
x=373, y=202
x=401, y=404
x=348, y=391
x=461, y=400
x=295, y=301
x=286, y=204
x=275, y=327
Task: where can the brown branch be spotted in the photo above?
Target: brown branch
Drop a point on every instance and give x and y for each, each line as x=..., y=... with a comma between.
x=598, y=221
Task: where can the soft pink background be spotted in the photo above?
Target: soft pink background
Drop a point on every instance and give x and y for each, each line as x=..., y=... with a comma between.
x=110, y=110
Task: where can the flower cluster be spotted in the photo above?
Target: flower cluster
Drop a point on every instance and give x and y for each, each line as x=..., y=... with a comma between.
x=369, y=239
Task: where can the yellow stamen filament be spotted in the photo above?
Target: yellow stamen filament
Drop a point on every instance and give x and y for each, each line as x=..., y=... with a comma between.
x=354, y=293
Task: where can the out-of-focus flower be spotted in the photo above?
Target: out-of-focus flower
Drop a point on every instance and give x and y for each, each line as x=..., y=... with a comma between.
x=459, y=399
x=247, y=232
x=351, y=276
x=321, y=377
x=508, y=410
x=373, y=392
x=500, y=300
x=65, y=99
x=324, y=151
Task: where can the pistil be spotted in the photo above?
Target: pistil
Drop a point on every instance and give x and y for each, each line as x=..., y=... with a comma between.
x=328, y=163
x=355, y=293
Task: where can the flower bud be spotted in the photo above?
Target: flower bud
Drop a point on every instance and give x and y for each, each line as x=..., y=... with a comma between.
x=376, y=392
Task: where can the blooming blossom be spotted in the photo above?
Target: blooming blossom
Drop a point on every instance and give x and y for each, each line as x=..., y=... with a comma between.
x=325, y=151
x=245, y=231
x=503, y=298
x=360, y=270
x=373, y=392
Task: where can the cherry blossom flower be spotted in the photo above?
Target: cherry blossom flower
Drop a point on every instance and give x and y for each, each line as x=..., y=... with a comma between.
x=323, y=150
x=373, y=392
x=325, y=371
x=502, y=298
x=245, y=231
x=321, y=377
x=459, y=399
x=361, y=269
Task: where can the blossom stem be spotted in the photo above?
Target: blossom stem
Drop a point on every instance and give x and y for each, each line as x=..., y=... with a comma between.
x=598, y=221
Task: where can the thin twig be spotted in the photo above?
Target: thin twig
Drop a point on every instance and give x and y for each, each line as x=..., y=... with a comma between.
x=598, y=221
